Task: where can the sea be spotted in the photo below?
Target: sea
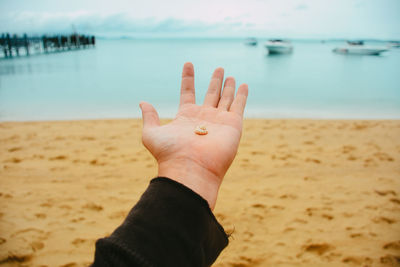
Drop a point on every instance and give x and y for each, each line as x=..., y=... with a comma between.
x=109, y=80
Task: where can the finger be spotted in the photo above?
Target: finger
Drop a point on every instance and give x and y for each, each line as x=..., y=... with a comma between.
x=214, y=89
x=187, y=85
x=149, y=114
x=227, y=94
x=239, y=102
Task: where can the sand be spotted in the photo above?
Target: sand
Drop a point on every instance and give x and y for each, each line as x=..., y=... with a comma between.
x=299, y=193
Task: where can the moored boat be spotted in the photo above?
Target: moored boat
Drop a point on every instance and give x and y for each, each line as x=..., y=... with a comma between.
x=395, y=44
x=358, y=48
x=251, y=41
x=278, y=46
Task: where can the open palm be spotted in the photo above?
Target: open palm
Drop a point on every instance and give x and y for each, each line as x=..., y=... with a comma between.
x=198, y=161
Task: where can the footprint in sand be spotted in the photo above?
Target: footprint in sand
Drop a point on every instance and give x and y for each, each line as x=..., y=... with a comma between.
x=360, y=126
x=27, y=230
x=390, y=260
x=351, y=158
x=259, y=211
x=308, y=143
x=347, y=149
x=300, y=221
x=373, y=234
x=383, y=219
x=25, y=243
x=96, y=162
x=88, y=138
x=257, y=152
x=288, y=196
x=13, y=160
x=347, y=214
x=327, y=216
x=358, y=260
x=245, y=261
x=370, y=163
x=78, y=242
x=371, y=207
x=92, y=206
x=313, y=160
x=23, y=254
x=248, y=235
x=288, y=229
x=37, y=245
x=385, y=192
x=59, y=157
x=316, y=212
x=259, y=206
x=395, y=201
x=40, y=215
x=316, y=248
x=310, y=211
x=355, y=235
x=13, y=149
x=47, y=204
x=76, y=220
x=283, y=156
x=70, y=264
x=395, y=245
x=6, y=195
x=277, y=207
x=383, y=156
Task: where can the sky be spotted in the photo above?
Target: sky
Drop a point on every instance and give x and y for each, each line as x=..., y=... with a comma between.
x=350, y=19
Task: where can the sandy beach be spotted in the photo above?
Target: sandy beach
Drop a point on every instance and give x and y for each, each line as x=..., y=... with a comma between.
x=299, y=193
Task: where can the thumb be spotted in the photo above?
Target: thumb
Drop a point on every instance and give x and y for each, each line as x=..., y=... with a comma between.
x=149, y=114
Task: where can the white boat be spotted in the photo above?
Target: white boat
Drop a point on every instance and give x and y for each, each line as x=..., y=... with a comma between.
x=279, y=47
x=358, y=48
x=251, y=41
x=395, y=44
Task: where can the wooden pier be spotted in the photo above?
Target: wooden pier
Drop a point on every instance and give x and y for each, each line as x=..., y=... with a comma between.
x=11, y=46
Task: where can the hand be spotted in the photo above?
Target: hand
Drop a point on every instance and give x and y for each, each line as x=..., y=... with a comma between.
x=198, y=161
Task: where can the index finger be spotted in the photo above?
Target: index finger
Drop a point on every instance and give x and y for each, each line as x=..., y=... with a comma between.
x=187, y=85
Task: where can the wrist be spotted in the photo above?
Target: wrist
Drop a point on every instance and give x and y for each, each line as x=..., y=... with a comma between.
x=194, y=176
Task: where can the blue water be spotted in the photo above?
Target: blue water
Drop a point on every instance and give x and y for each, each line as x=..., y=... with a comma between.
x=110, y=80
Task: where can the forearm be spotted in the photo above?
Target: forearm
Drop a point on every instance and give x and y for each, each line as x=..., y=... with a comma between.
x=170, y=226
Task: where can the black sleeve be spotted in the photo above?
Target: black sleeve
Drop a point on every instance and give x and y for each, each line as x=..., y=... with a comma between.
x=170, y=226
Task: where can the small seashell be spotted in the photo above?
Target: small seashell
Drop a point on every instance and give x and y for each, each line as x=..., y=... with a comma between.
x=201, y=130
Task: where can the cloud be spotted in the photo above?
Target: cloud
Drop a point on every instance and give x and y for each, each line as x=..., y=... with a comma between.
x=301, y=7
x=110, y=25
x=260, y=18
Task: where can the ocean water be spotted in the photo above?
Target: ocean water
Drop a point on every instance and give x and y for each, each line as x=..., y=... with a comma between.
x=110, y=80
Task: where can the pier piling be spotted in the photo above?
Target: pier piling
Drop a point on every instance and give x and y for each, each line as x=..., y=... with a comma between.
x=44, y=44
